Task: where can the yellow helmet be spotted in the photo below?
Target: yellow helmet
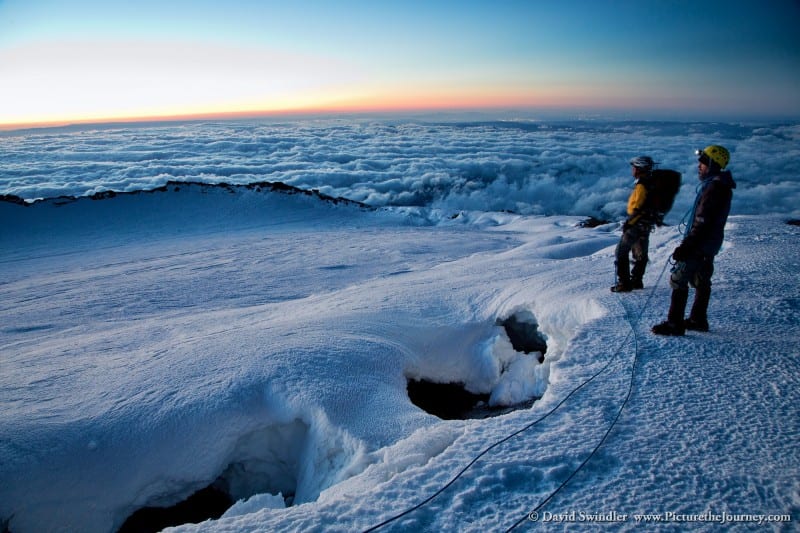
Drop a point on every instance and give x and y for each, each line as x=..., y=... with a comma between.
x=716, y=153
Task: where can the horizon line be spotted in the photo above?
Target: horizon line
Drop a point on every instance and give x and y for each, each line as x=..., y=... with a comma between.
x=577, y=112
x=303, y=112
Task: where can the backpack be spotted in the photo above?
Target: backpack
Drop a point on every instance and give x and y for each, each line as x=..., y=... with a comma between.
x=662, y=188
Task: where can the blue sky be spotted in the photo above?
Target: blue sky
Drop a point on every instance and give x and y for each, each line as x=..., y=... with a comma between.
x=94, y=60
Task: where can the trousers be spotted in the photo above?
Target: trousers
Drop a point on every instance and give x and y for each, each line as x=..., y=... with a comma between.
x=696, y=272
x=635, y=241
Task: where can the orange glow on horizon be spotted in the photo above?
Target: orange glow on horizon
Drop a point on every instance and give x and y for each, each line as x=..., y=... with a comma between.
x=377, y=107
x=410, y=102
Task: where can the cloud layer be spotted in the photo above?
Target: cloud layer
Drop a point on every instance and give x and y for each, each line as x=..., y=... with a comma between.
x=576, y=168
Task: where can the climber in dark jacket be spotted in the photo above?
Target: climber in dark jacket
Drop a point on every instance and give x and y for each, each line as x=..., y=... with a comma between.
x=703, y=239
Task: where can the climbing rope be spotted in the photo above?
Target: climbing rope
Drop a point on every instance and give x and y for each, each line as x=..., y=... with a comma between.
x=530, y=425
x=487, y=450
x=683, y=225
x=633, y=322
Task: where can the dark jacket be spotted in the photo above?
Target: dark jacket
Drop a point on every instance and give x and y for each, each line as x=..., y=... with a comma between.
x=711, y=207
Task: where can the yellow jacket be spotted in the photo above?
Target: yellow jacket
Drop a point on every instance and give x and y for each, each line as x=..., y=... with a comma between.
x=636, y=203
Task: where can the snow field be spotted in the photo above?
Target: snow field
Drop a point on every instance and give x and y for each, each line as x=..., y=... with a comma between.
x=268, y=349
x=174, y=359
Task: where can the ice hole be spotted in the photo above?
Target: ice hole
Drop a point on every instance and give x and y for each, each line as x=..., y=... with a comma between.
x=448, y=401
x=451, y=401
x=204, y=504
x=523, y=332
x=264, y=461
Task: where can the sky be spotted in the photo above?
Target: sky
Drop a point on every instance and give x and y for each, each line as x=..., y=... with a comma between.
x=93, y=60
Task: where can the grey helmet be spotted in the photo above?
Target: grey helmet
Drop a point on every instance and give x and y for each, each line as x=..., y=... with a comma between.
x=643, y=161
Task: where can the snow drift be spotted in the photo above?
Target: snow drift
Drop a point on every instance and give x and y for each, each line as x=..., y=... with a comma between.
x=238, y=337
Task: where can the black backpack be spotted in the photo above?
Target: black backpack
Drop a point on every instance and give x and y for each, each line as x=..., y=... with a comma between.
x=662, y=187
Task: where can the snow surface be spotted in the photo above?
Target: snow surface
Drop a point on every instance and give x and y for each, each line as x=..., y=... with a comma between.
x=153, y=343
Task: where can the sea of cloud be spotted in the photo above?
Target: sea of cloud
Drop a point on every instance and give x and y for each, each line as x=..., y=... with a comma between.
x=529, y=167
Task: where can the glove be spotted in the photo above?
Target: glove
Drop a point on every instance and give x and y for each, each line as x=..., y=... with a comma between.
x=682, y=253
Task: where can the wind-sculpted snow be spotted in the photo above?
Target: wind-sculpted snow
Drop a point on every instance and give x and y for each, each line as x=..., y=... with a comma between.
x=576, y=168
x=239, y=338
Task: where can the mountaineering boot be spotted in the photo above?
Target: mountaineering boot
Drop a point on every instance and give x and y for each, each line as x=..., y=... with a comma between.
x=674, y=324
x=698, y=318
x=677, y=305
x=637, y=273
x=622, y=287
x=669, y=328
x=623, y=275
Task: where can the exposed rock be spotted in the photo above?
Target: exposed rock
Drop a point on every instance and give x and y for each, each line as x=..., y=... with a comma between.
x=593, y=222
x=13, y=199
x=176, y=186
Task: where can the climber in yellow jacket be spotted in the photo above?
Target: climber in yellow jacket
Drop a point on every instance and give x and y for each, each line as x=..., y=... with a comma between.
x=636, y=229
